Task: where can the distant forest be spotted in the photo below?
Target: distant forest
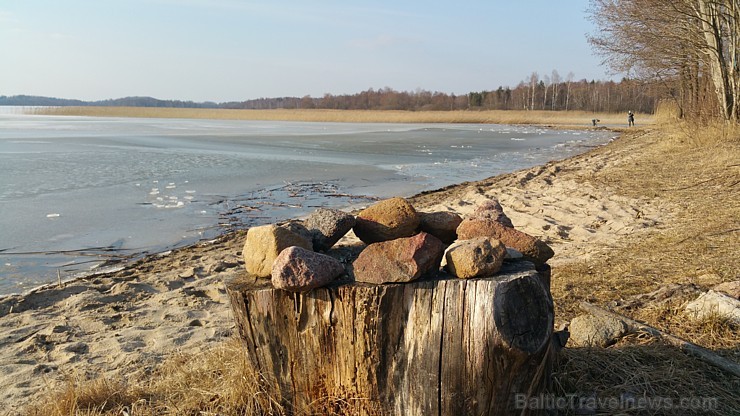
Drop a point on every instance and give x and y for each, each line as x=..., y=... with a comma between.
x=546, y=93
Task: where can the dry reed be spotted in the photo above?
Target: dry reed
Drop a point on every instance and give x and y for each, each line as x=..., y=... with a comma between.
x=549, y=118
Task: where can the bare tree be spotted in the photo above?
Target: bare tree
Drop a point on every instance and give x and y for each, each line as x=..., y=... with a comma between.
x=682, y=44
x=533, y=79
x=555, y=78
x=569, y=79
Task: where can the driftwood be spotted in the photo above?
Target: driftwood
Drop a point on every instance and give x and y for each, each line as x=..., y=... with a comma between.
x=690, y=348
x=431, y=347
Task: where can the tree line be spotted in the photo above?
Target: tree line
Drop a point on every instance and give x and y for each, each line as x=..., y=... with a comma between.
x=688, y=49
x=548, y=92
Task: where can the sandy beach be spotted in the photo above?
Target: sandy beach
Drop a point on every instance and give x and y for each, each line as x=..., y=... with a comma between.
x=590, y=208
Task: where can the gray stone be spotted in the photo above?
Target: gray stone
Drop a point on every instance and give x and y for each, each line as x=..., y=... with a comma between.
x=298, y=270
x=327, y=226
x=711, y=304
x=595, y=331
x=299, y=228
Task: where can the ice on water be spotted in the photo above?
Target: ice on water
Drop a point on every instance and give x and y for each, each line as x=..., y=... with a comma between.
x=147, y=183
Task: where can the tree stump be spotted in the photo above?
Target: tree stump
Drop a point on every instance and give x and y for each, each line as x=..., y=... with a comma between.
x=440, y=346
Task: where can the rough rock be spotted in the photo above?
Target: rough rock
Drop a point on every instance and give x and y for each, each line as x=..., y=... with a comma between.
x=399, y=260
x=492, y=210
x=386, y=220
x=526, y=244
x=299, y=228
x=713, y=303
x=595, y=331
x=442, y=225
x=263, y=245
x=481, y=256
x=731, y=289
x=298, y=270
x=327, y=226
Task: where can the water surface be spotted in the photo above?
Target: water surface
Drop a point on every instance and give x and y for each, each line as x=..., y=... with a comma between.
x=97, y=186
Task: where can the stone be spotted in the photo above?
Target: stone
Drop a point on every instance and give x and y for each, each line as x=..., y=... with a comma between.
x=715, y=304
x=442, y=225
x=512, y=254
x=327, y=226
x=263, y=245
x=531, y=247
x=481, y=256
x=493, y=210
x=386, y=220
x=299, y=270
x=595, y=331
x=399, y=260
x=731, y=289
x=299, y=228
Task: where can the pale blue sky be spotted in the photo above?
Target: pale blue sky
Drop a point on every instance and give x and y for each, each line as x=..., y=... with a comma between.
x=232, y=50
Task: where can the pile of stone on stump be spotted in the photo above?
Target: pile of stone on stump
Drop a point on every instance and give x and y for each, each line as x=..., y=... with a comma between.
x=402, y=245
x=389, y=332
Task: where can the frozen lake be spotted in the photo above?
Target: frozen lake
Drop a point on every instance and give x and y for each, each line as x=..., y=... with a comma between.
x=85, y=185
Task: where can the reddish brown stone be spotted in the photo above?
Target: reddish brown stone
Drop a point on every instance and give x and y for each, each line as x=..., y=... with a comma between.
x=442, y=225
x=526, y=244
x=298, y=270
x=386, y=220
x=400, y=260
x=493, y=210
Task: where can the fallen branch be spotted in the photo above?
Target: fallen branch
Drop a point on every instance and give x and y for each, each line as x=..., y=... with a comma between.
x=693, y=349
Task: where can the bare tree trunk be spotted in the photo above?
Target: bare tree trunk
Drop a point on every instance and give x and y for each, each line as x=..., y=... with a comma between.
x=430, y=347
x=708, y=16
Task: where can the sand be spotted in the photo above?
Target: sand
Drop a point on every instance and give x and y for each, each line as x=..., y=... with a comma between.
x=124, y=323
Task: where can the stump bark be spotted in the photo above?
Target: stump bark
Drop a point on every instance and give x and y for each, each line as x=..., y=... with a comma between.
x=441, y=346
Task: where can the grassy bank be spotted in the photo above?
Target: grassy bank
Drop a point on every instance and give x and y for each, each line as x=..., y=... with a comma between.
x=554, y=118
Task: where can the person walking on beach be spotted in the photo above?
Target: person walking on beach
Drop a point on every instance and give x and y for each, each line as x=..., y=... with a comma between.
x=631, y=118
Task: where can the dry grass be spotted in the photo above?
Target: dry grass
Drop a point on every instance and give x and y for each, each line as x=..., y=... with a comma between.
x=550, y=118
x=626, y=376
x=215, y=382
x=694, y=173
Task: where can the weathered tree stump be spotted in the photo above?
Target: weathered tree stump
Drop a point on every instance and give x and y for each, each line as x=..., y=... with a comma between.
x=431, y=347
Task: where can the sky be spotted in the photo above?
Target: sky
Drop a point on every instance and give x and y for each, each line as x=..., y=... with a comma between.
x=234, y=50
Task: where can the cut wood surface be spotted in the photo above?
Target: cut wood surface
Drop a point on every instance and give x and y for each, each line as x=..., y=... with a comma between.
x=431, y=347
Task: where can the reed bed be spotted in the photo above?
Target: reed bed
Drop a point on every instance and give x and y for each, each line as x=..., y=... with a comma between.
x=547, y=118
